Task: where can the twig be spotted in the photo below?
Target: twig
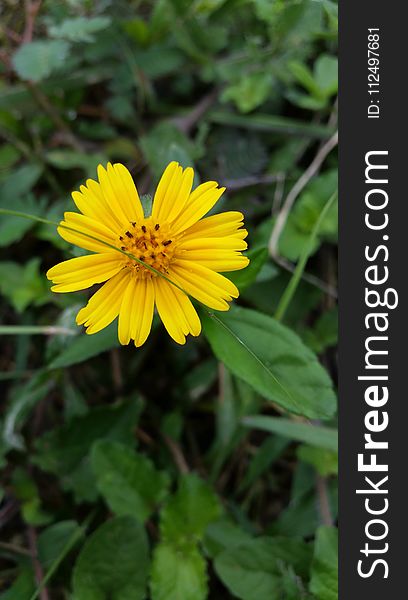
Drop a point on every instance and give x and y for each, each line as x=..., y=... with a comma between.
x=187, y=123
x=31, y=11
x=116, y=371
x=14, y=549
x=233, y=185
x=177, y=454
x=323, y=498
x=312, y=279
x=38, y=570
x=303, y=180
x=53, y=114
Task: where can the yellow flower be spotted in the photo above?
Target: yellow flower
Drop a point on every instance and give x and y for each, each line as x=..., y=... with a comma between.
x=174, y=240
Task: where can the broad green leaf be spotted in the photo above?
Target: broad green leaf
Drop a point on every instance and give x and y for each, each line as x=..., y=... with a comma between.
x=315, y=435
x=178, y=573
x=188, y=513
x=253, y=570
x=324, y=574
x=223, y=535
x=127, y=480
x=36, y=60
x=272, y=359
x=113, y=563
x=71, y=159
x=53, y=540
x=86, y=346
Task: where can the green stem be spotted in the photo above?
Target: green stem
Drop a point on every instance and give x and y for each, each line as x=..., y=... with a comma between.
x=300, y=267
x=75, y=537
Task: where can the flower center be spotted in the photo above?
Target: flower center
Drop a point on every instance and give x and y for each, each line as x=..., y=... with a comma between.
x=150, y=242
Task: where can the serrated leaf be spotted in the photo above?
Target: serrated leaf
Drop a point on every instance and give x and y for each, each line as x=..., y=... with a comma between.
x=253, y=570
x=127, y=480
x=272, y=359
x=64, y=451
x=189, y=511
x=113, y=563
x=178, y=573
x=324, y=574
x=36, y=60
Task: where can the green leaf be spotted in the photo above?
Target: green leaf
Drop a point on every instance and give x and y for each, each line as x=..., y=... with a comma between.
x=65, y=451
x=53, y=540
x=23, y=285
x=324, y=461
x=250, y=91
x=178, y=574
x=272, y=123
x=71, y=159
x=188, y=513
x=79, y=29
x=324, y=573
x=113, y=563
x=315, y=435
x=272, y=359
x=86, y=346
x=253, y=570
x=36, y=60
x=128, y=480
x=326, y=74
x=165, y=143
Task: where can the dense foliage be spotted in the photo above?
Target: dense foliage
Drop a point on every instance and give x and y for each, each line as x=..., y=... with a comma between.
x=171, y=472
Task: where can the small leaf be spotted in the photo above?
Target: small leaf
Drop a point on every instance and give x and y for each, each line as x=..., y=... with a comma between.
x=324, y=575
x=178, y=573
x=189, y=511
x=272, y=359
x=113, y=563
x=128, y=480
x=79, y=29
x=36, y=60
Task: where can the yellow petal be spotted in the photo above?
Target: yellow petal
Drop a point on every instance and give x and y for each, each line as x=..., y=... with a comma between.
x=136, y=311
x=213, y=243
x=86, y=232
x=223, y=224
x=172, y=192
x=142, y=311
x=103, y=307
x=210, y=288
x=218, y=261
x=199, y=203
x=176, y=311
x=119, y=195
x=126, y=191
x=82, y=272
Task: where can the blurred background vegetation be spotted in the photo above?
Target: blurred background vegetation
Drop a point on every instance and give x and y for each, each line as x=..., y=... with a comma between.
x=167, y=472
